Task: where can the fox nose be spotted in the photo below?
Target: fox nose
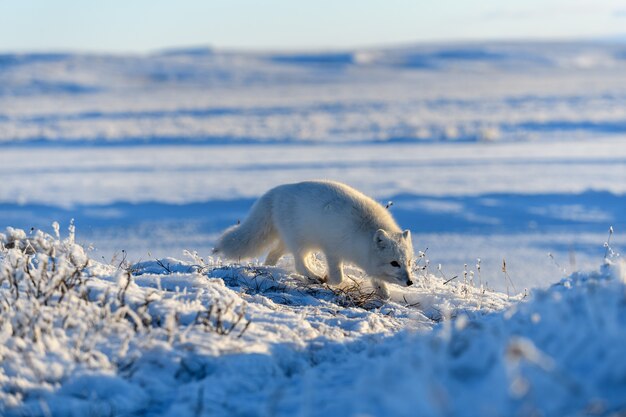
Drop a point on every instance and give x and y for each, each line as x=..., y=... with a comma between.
x=409, y=282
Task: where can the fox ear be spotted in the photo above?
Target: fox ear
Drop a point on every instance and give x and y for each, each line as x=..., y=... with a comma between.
x=406, y=234
x=380, y=238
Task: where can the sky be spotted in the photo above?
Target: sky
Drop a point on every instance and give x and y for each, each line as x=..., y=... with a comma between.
x=147, y=25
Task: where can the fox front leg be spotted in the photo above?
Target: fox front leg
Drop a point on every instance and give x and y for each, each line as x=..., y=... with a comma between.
x=335, y=270
x=381, y=289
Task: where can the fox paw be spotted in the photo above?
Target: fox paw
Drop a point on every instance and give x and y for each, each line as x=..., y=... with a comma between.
x=332, y=279
x=313, y=278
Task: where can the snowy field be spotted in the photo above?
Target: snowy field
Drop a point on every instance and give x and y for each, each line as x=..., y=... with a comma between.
x=487, y=151
x=500, y=151
x=198, y=338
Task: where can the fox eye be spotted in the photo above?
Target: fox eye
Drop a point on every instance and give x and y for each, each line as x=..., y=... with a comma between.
x=395, y=264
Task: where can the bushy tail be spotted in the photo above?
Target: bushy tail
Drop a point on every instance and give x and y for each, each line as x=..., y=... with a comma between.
x=250, y=238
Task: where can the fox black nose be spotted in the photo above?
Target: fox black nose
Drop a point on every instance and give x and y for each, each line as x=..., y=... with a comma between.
x=409, y=282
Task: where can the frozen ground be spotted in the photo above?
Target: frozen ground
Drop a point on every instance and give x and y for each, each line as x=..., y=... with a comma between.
x=494, y=151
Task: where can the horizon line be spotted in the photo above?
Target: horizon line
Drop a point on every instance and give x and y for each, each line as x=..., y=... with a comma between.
x=614, y=38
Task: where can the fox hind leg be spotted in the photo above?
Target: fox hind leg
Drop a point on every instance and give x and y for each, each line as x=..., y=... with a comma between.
x=275, y=254
x=302, y=267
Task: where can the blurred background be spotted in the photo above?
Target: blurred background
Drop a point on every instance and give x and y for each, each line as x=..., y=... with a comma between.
x=497, y=129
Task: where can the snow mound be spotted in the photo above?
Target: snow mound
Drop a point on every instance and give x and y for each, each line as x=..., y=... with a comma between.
x=172, y=337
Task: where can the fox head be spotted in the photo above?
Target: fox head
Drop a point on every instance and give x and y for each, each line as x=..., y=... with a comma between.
x=392, y=254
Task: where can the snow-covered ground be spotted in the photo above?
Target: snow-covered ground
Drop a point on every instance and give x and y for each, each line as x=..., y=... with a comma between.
x=192, y=338
x=510, y=152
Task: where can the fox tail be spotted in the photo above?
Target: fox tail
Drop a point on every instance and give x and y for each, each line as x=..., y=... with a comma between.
x=253, y=236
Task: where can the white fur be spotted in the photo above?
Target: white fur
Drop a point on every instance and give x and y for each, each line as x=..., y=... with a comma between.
x=326, y=216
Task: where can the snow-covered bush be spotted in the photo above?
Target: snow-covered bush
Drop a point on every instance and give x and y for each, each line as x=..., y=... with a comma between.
x=64, y=317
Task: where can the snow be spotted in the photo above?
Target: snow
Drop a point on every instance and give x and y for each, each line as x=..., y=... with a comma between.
x=511, y=153
x=197, y=337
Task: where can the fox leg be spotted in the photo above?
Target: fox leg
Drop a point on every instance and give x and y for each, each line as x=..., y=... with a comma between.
x=302, y=267
x=381, y=289
x=335, y=270
x=275, y=254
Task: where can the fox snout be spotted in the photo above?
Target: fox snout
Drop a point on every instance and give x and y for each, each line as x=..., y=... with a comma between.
x=406, y=277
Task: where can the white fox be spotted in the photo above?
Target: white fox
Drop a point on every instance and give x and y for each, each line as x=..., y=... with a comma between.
x=327, y=216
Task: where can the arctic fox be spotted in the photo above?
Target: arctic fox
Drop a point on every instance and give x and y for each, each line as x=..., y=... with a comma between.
x=326, y=216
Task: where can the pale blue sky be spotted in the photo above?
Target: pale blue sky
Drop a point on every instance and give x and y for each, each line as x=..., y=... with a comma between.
x=144, y=25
